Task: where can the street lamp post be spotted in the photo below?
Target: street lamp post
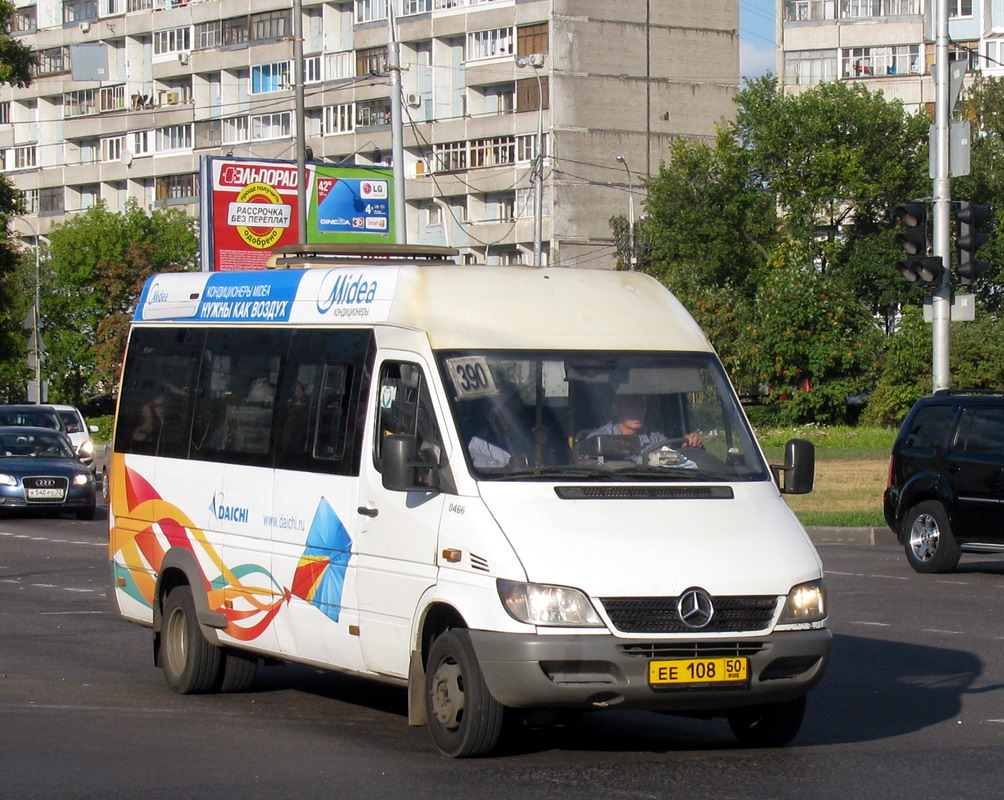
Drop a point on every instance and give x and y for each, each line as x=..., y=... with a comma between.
x=632, y=260
x=535, y=62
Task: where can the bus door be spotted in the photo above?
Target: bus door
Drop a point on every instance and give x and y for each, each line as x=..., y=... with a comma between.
x=399, y=531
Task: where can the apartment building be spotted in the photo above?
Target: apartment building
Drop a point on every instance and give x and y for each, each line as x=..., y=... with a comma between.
x=888, y=44
x=130, y=94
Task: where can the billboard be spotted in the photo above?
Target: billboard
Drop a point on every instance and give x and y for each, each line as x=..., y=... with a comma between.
x=250, y=206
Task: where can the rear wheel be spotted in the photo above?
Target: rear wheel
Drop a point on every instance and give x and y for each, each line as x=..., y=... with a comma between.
x=771, y=725
x=191, y=664
x=464, y=719
x=928, y=540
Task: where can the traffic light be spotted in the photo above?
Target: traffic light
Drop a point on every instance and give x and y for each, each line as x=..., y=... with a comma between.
x=970, y=240
x=917, y=267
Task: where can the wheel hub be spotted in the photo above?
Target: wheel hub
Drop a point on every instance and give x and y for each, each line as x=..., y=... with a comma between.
x=448, y=695
x=924, y=537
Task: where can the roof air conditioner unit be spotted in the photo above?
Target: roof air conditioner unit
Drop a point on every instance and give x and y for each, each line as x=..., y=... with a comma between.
x=182, y=58
x=85, y=27
x=413, y=100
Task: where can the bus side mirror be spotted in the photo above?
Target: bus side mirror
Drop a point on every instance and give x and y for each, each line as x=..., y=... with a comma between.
x=401, y=470
x=799, y=467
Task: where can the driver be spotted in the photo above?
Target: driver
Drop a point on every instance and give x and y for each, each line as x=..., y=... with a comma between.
x=629, y=412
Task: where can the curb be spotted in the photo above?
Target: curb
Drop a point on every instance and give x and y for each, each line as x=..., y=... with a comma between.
x=864, y=536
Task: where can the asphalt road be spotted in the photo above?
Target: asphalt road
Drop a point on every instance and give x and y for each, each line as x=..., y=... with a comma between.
x=912, y=706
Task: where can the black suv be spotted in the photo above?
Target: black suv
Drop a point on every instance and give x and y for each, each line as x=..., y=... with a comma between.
x=946, y=479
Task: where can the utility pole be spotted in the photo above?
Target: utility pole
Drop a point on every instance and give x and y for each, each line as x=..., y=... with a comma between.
x=632, y=259
x=396, y=128
x=941, y=302
x=536, y=62
x=301, y=122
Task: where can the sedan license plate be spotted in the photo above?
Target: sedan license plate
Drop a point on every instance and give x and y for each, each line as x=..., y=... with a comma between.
x=691, y=672
x=44, y=494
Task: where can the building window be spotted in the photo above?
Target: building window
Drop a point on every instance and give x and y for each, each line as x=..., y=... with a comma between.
x=111, y=98
x=373, y=112
x=493, y=152
x=174, y=40
x=177, y=187
x=803, y=10
x=312, y=69
x=809, y=67
x=527, y=96
x=174, y=137
x=50, y=200
x=858, y=9
x=339, y=119
x=30, y=198
x=271, y=25
x=369, y=10
x=272, y=77
x=960, y=8
x=88, y=151
x=433, y=215
x=531, y=39
x=24, y=20
x=89, y=194
x=271, y=126
x=5, y=112
x=872, y=62
x=495, y=43
x=415, y=7
x=235, y=31
x=500, y=207
x=53, y=60
x=141, y=143
x=112, y=147
x=79, y=103
x=25, y=157
x=209, y=34
x=80, y=10
x=371, y=61
x=449, y=157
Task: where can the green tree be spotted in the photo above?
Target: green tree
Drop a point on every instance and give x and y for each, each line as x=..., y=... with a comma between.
x=17, y=62
x=98, y=261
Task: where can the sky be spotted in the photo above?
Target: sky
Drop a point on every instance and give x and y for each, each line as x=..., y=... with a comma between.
x=756, y=37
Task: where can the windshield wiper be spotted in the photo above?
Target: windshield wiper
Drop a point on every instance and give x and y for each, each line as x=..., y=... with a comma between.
x=552, y=473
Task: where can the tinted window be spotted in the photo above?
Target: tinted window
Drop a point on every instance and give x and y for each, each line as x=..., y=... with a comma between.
x=982, y=431
x=929, y=427
x=158, y=383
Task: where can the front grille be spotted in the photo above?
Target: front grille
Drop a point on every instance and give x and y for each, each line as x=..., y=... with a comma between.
x=660, y=614
x=692, y=649
x=644, y=492
x=45, y=488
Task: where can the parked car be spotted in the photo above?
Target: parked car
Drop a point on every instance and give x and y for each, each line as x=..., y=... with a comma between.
x=39, y=416
x=945, y=494
x=76, y=427
x=39, y=471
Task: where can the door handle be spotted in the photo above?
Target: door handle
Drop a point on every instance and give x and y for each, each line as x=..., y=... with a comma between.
x=366, y=511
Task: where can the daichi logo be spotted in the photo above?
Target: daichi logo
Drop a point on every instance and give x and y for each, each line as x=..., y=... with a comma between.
x=227, y=513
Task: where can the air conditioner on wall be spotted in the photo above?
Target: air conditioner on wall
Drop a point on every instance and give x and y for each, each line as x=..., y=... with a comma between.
x=413, y=100
x=173, y=98
x=182, y=58
x=85, y=27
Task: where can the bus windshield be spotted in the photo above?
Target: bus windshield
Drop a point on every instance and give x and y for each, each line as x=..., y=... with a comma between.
x=582, y=415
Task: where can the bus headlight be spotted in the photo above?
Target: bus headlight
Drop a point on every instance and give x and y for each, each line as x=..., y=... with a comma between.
x=806, y=603
x=540, y=604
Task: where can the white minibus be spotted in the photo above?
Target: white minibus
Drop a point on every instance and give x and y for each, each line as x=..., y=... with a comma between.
x=518, y=492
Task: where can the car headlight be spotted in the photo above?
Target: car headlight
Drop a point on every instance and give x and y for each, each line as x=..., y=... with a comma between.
x=7, y=480
x=86, y=448
x=806, y=603
x=81, y=479
x=539, y=604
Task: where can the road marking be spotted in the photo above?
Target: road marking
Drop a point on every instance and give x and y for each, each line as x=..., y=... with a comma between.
x=67, y=613
x=874, y=624
x=55, y=541
x=939, y=630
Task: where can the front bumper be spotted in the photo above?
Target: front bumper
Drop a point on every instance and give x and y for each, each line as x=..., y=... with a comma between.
x=529, y=671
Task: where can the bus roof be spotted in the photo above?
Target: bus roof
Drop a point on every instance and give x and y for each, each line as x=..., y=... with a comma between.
x=457, y=306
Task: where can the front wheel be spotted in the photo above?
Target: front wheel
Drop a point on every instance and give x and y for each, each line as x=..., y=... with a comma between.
x=928, y=540
x=464, y=719
x=771, y=725
x=191, y=664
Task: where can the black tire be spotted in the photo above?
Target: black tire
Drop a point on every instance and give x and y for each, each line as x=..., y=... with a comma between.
x=464, y=719
x=86, y=513
x=239, y=669
x=191, y=664
x=928, y=541
x=768, y=726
